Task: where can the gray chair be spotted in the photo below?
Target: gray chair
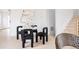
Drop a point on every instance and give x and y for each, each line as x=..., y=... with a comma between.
x=66, y=39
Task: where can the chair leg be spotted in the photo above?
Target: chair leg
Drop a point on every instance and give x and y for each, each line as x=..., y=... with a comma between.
x=43, y=40
x=32, y=43
x=36, y=38
x=23, y=44
x=17, y=36
x=40, y=37
x=46, y=38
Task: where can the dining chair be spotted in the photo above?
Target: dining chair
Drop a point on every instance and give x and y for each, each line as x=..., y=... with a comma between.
x=27, y=34
x=43, y=34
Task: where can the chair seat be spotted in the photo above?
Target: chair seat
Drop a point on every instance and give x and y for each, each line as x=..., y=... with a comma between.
x=40, y=34
x=28, y=37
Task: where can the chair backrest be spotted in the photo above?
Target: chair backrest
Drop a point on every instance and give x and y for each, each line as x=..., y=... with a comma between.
x=45, y=30
x=66, y=39
x=33, y=26
x=27, y=33
x=18, y=27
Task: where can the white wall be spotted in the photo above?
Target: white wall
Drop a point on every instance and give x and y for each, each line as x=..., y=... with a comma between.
x=40, y=17
x=63, y=16
x=15, y=21
x=76, y=12
x=51, y=14
x=45, y=18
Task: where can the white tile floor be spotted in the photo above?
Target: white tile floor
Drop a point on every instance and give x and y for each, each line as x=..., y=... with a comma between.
x=9, y=42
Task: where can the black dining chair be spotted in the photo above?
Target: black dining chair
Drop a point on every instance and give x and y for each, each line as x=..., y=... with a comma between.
x=18, y=31
x=27, y=34
x=43, y=34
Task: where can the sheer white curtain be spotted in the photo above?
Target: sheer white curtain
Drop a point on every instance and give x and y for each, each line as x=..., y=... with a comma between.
x=4, y=19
